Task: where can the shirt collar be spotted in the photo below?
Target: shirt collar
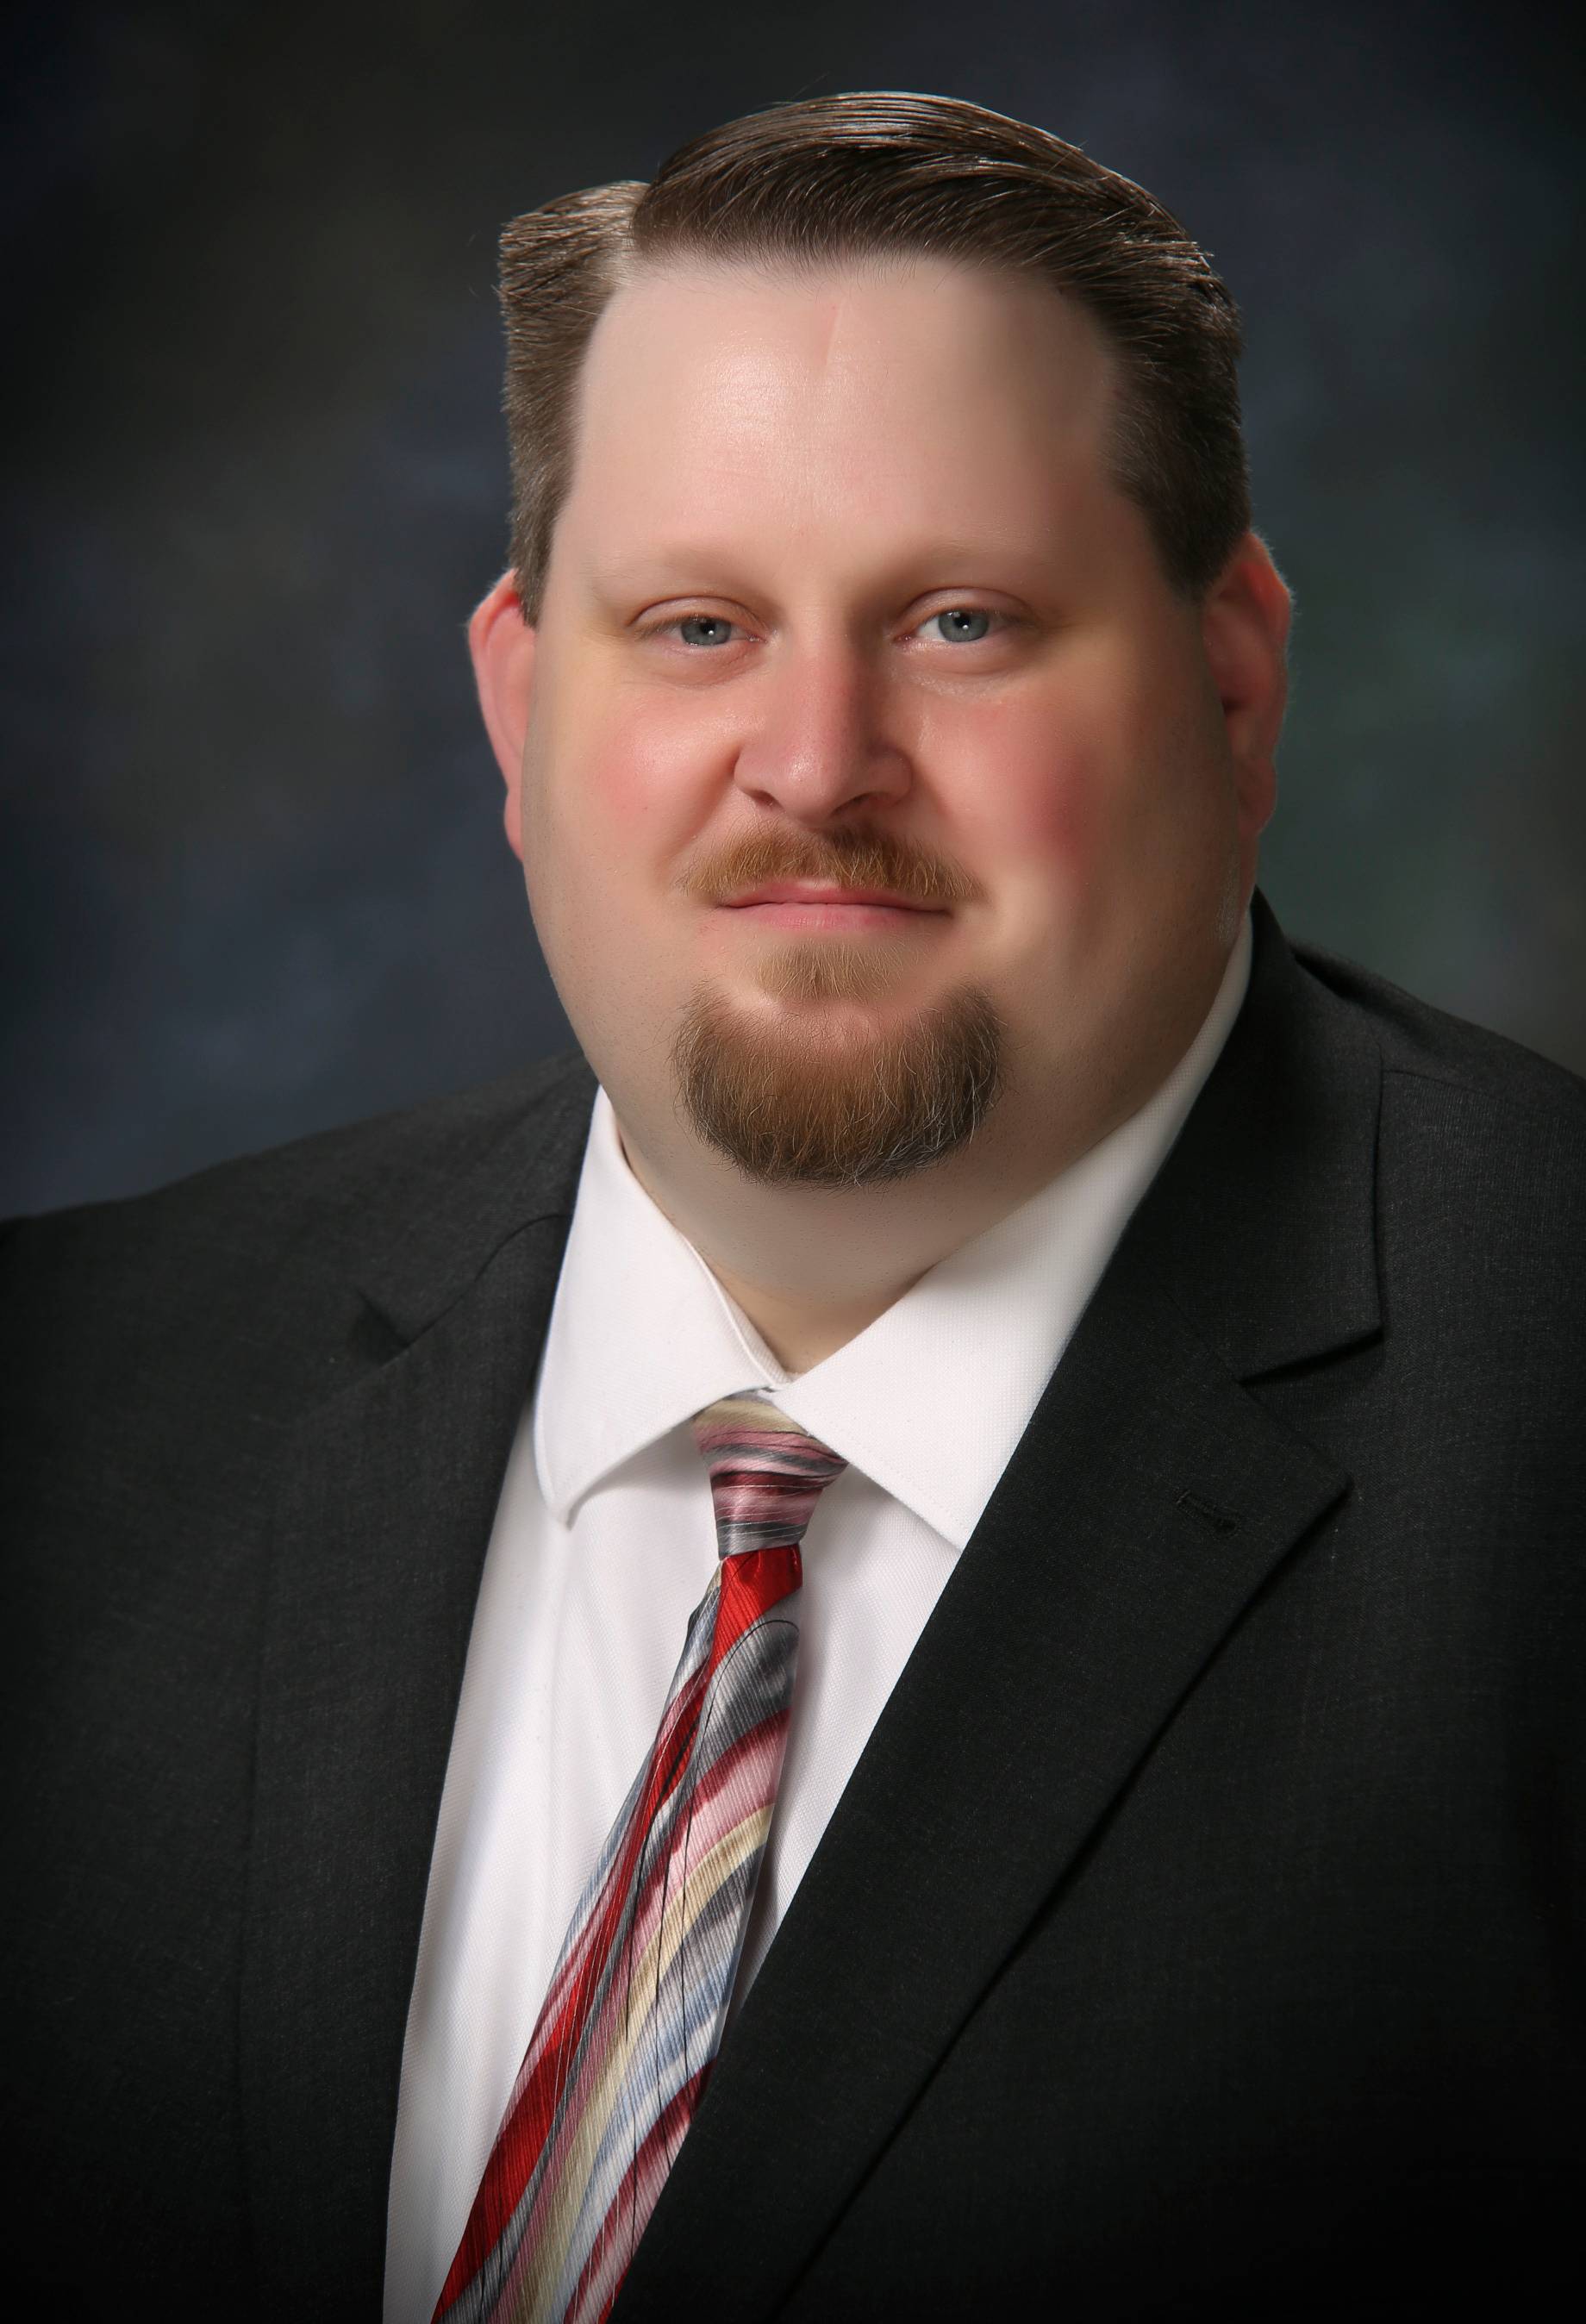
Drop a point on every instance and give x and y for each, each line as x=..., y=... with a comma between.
x=929, y=1401
x=641, y=1335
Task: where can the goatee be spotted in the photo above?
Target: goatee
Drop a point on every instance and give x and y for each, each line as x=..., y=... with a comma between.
x=794, y=1103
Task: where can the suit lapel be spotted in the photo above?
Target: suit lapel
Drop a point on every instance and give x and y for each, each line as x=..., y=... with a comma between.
x=1151, y=1498
x=380, y=1534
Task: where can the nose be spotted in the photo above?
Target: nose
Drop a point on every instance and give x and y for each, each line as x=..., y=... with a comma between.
x=819, y=738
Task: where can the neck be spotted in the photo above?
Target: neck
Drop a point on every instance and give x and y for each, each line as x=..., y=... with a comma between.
x=812, y=1267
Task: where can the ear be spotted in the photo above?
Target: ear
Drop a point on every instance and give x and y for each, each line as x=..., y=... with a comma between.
x=503, y=646
x=1244, y=628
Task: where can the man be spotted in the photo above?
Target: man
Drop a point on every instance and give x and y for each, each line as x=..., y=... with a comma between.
x=1133, y=1875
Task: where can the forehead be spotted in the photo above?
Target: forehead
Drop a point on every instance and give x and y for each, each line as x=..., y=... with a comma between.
x=863, y=395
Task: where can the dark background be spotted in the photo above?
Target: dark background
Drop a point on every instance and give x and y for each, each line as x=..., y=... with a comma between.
x=253, y=879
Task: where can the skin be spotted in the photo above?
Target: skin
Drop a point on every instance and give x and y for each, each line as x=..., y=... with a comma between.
x=820, y=466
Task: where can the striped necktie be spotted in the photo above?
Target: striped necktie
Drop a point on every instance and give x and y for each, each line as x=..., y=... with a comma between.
x=631, y=2025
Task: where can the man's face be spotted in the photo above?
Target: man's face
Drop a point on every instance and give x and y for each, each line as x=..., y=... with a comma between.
x=843, y=598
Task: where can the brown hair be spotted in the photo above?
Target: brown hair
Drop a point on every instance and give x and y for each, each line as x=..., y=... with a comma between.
x=835, y=179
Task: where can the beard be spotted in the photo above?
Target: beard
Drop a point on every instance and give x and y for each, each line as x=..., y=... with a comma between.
x=794, y=1103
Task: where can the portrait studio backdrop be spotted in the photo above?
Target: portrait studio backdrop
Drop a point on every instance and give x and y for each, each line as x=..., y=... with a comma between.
x=253, y=879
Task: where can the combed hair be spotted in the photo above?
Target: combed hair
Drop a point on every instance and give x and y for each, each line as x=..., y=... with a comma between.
x=860, y=176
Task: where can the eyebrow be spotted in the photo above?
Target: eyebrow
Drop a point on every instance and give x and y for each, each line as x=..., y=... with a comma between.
x=651, y=569
x=687, y=565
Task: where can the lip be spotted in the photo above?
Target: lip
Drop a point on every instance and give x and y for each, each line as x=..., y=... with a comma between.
x=844, y=919
x=797, y=904
x=803, y=893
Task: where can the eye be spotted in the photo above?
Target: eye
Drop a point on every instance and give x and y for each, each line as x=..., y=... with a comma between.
x=961, y=625
x=702, y=629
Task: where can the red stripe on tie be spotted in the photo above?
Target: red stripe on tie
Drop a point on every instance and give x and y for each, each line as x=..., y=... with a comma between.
x=751, y=1583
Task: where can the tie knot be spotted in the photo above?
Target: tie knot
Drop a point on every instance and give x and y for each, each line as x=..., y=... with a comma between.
x=766, y=1475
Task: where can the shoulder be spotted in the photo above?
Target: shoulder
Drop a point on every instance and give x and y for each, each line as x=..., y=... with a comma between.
x=1428, y=1044
x=255, y=1250
x=383, y=1160
x=1482, y=1143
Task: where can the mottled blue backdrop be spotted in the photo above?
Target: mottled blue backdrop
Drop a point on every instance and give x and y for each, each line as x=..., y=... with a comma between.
x=253, y=880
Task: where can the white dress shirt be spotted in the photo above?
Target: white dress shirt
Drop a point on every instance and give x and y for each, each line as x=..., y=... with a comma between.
x=603, y=1545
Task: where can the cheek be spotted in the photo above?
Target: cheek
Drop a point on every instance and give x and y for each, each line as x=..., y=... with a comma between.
x=619, y=786
x=1052, y=813
x=1034, y=798
x=1096, y=775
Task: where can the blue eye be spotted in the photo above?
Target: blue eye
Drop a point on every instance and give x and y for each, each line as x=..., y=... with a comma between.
x=692, y=627
x=959, y=625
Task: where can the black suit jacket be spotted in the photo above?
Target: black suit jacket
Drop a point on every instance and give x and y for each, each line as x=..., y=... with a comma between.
x=1199, y=1934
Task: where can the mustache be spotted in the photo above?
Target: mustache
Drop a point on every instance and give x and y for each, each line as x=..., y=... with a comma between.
x=842, y=857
